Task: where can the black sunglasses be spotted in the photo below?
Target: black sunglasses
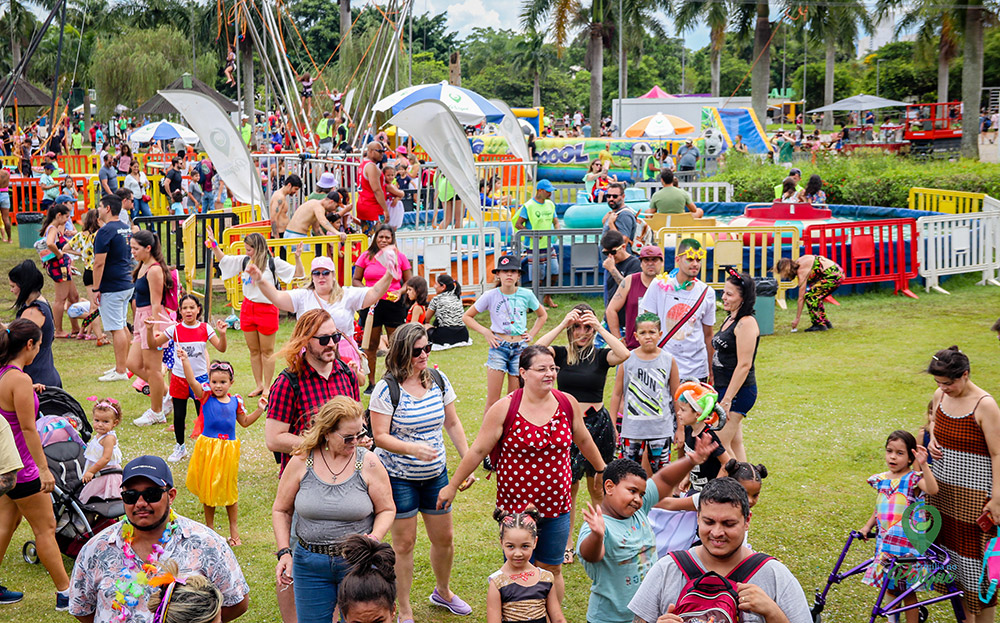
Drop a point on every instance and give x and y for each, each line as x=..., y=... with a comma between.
x=611, y=251
x=612, y=196
x=325, y=339
x=417, y=351
x=321, y=273
x=151, y=495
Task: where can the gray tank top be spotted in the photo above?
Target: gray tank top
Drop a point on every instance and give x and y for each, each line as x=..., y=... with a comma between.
x=327, y=513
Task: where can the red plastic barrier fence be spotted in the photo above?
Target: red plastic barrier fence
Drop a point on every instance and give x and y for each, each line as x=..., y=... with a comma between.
x=25, y=195
x=869, y=251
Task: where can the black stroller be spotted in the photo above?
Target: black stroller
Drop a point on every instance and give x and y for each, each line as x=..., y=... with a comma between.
x=63, y=425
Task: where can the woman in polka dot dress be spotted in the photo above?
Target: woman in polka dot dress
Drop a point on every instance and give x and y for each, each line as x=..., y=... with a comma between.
x=534, y=427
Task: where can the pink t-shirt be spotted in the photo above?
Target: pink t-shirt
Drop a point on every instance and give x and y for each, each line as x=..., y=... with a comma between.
x=374, y=271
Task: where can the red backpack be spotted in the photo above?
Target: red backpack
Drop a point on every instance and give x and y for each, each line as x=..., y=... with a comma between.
x=707, y=596
x=565, y=406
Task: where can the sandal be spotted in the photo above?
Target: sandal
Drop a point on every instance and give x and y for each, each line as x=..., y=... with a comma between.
x=103, y=341
x=568, y=557
x=234, y=541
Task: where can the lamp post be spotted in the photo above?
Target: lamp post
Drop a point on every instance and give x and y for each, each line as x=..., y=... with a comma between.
x=878, y=72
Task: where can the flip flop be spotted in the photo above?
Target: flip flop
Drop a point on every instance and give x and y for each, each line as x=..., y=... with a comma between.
x=234, y=541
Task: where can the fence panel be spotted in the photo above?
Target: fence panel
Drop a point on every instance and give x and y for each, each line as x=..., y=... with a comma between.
x=754, y=250
x=701, y=192
x=468, y=255
x=25, y=195
x=946, y=201
x=570, y=263
x=869, y=251
x=961, y=243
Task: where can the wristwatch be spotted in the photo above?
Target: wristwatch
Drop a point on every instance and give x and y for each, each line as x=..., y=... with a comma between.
x=281, y=552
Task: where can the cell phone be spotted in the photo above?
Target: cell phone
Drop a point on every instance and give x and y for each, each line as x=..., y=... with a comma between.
x=986, y=522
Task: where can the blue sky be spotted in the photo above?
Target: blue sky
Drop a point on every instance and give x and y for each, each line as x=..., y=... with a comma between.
x=464, y=15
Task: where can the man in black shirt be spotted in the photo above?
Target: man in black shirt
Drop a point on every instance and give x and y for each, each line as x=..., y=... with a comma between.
x=172, y=180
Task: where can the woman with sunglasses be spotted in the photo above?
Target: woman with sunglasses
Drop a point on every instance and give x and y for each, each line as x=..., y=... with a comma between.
x=19, y=344
x=335, y=489
x=583, y=372
x=324, y=292
x=534, y=427
x=382, y=258
x=258, y=315
x=409, y=408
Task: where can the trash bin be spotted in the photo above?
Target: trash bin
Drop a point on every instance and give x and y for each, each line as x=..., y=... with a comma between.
x=29, y=228
x=767, y=289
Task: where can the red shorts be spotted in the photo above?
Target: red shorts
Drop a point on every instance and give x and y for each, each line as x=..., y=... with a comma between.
x=260, y=317
x=179, y=387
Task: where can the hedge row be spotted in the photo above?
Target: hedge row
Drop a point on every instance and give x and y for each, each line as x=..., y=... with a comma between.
x=862, y=179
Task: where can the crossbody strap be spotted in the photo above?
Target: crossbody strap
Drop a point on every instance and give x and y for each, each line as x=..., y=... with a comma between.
x=687, y=316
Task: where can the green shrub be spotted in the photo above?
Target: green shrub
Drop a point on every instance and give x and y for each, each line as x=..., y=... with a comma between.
x=872, y=178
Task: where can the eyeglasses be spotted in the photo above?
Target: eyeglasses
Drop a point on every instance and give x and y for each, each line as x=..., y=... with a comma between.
x=321, y=273
x=325, y=339
x=348, y=439
x=420, y=350
x=151, y=495
x=552, y=369
x=693, y=254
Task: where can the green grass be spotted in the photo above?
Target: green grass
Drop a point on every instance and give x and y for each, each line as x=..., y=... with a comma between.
x=827, y=402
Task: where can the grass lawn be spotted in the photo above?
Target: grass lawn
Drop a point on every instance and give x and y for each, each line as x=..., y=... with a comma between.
x=826, y=404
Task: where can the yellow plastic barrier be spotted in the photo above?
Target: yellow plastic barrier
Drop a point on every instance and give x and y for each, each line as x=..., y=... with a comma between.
x=355, y=243
x=734, y=246
x=189, y=236
x=945, y=201
x=10, y=162
x=248, y=213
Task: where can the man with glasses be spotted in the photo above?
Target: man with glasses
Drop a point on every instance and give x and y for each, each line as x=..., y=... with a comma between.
x=686, y=307
x=621, y=218
x=623, y=308
x=618, y=264
x=108, y=580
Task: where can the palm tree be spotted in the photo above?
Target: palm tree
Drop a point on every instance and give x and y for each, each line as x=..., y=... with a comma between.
x=531, y=54
x=935, y=28
x=836, y=26
x=639, y=18
x=972, y=76
x=19, y=22
x=757, y=17
x=716, y=14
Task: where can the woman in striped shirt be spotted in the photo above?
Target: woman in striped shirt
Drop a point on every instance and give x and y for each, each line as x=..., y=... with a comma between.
x=409, y=408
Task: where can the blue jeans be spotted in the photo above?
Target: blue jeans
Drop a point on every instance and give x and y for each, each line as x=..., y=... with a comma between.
x=207, y=201
x=317, y=578
x=140, y=208
x=552, y=535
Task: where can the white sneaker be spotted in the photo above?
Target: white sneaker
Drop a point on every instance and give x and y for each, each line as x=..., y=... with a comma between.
x=168, y=405
x=149, y=418
x=179, y=453
x=113, y=375
x=110, y=370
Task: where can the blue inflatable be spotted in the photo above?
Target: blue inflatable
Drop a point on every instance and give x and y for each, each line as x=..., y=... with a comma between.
x=585, y=215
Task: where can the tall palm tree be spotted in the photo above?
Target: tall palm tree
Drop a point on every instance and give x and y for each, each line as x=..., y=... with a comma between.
x=836, y=25
x=638, y=19
x=533, y=56
x=19, y=21
x=935, y=27
x=972, y=75
x=755, y=17
x=716, y=14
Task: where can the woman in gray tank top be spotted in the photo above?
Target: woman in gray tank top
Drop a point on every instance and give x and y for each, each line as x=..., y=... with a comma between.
x=336, y=489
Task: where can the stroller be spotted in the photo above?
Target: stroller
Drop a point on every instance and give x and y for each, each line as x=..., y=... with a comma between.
x=65, y=430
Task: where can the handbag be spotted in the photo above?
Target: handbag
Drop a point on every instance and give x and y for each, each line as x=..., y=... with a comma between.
x=44, y=253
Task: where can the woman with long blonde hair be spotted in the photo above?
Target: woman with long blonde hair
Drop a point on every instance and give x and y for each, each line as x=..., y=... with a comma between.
x=337, y=489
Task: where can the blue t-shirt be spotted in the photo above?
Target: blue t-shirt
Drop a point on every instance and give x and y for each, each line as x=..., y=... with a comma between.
x=113, y=240
x=629, y=553
x=508, y=312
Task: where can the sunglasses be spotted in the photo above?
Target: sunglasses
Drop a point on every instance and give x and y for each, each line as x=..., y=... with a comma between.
x=321, y=273
x=152, y=495
x=693, y=254
x=348, y=439
x=325, y=339
x=418, y=350
x=612, y=196
x=611, y=251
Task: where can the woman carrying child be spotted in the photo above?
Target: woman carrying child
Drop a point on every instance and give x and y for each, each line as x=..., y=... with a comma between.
x=583, y=371
x=443, y=321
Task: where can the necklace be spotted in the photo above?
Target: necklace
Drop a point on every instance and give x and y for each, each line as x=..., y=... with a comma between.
x=133, y=580
x=336, y=475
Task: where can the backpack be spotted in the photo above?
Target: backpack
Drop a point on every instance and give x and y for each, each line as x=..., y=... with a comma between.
x=508, y=423
x=707, y=596
x=270, y=266
x=395, y=393
x=172, y=295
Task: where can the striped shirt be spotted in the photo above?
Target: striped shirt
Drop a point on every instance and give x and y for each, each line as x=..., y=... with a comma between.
x=416, y=420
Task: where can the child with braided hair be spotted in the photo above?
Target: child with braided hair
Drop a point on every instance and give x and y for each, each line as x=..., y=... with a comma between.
x=520, y=592
x=190, y=599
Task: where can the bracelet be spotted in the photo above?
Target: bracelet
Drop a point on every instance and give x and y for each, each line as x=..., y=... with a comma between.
x=281, y=552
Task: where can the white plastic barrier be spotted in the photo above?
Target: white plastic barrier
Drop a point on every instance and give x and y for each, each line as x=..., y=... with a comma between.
x=953, y=244
x=701, y=192
x=468, y=255
x=279, y=166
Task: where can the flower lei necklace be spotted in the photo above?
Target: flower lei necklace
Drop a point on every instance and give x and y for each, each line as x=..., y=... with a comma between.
x=663, y=281
x=134, y=578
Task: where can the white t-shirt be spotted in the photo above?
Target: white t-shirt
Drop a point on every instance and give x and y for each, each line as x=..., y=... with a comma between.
x=396, y=212
x=342, y=312
x=687, y=345
x=192, y=340
x=232, y=265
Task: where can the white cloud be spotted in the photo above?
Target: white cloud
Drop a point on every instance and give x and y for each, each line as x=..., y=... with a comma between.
x=468, y=14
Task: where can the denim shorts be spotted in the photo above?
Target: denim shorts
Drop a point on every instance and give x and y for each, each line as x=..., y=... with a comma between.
x=553, y=532
x=4, y=200
x=413, y=496
x=506, y=357
x=317, y=580
x=744, y=399
x=114, y=309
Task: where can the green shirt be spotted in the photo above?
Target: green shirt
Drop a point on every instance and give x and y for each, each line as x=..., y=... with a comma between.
x=670, y=200
x=785, y=151
x=539, y=216
x=777, y=190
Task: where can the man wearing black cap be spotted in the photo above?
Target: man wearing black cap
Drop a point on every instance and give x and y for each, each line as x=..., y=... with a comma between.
x=151, y=532
x=795, y=174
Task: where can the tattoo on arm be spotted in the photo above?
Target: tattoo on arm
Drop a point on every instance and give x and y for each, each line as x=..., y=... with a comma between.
x=7, y=482
x=638, y=619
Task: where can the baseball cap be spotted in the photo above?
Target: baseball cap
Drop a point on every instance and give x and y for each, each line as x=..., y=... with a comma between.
x=508, y=262
x=545, y=185
x=651, y=250
x=794, y=172
x=49, y=166
x=322, y=263
x=333, y=195
x=150, y=467
x=690, y=140
x=327, y=180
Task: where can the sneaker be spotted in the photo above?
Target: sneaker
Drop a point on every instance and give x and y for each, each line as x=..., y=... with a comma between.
x=62, y=601
x=168, y=405
x=369, y=389
x=456, y=605
x=829, y=325
x=109, y=370
x=179, y=453
x=149, y=417
x=816, y=327
x=113, y=375
x=8, y=596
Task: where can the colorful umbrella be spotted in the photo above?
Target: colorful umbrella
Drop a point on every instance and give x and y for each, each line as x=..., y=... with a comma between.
x=659, y=125
x=470, y=108
x=163, y=131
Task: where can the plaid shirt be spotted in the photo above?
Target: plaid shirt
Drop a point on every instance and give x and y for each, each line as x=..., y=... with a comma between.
x=297, y=408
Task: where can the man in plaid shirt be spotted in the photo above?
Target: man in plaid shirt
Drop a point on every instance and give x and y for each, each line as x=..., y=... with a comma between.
x=314, y=375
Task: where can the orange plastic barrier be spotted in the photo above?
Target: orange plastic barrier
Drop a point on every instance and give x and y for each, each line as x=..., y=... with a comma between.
x=869, y=251
x=25, y=195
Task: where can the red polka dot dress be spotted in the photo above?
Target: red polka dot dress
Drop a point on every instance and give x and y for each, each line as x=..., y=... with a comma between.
x=534, y=466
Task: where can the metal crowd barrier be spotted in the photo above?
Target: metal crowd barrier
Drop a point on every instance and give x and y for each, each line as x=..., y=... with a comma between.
x=701, y=192
x=578, y=256
x=954, y=244
x=468, y=255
